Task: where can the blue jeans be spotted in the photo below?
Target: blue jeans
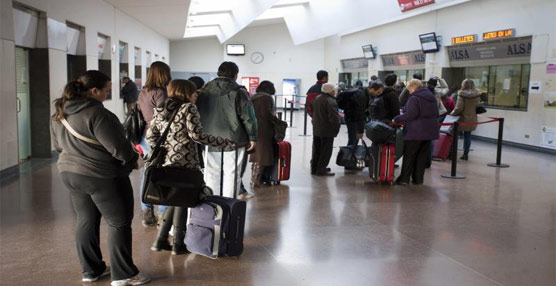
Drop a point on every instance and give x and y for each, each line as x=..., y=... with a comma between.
x=146, y=149
x=466, y=141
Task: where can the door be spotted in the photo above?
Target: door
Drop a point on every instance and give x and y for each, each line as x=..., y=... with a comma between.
x=23, y=103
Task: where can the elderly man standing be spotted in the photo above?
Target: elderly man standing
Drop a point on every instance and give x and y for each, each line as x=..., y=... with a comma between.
x=326, y=125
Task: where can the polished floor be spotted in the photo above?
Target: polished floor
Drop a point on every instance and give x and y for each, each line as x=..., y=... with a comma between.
x=496, y=227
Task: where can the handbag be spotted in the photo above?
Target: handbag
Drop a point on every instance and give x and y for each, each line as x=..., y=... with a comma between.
x=356, y=156
x=134, y=125
x=279, y=129
x=379, y=132
x=170, y=185
x=480, y=109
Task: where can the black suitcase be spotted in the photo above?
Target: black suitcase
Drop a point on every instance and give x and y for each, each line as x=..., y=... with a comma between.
x=215, y=227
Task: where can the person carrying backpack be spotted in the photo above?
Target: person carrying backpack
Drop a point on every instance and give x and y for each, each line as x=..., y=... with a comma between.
x=354, y=102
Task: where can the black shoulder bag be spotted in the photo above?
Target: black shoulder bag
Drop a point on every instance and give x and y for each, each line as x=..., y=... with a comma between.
x=134, y=125
x=170, y=185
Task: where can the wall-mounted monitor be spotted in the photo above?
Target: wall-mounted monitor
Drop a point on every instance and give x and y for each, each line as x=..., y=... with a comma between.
x=235, y=50
x=429, y=43
x=368, y=52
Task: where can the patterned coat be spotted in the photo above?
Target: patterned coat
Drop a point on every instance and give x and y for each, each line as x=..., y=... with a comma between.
x=185, y=132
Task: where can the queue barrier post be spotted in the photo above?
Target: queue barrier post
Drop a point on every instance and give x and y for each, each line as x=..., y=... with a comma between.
x=285, y=107
x=304, y=122
x=454, y=151
x=291, y=113
x=498, y=163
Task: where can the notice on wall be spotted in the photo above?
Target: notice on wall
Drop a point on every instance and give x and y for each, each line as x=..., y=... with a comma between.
x=548, y=137
x=406, y=5
x=551, y=68
x=535, y=86
x=507, y=83
x=550, y=100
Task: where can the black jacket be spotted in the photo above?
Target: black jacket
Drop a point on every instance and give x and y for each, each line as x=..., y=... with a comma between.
x=130, y=92
x=356, y=105
x=115, y=158
x=326, y=122
x=226, y=111
x=391, y=102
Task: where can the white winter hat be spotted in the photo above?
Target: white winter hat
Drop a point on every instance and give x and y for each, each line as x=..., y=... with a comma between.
x=329, y=88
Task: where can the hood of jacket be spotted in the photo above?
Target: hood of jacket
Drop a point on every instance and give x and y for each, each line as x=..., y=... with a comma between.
x=469, y=94
x=75, y=106
x=168, y=107
x=259, y=95
x=425, y=94
x=221, y=86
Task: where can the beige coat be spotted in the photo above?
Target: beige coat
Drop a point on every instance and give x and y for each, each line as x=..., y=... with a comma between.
x=466, y=108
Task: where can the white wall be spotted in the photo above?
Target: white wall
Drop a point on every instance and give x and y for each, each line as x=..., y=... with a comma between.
x=96, y=16
x=534, y=17
x=282, y=59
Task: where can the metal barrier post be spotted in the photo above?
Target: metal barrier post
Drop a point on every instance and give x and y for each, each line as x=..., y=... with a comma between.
x=291, y=113
x=285, y=107
x=454, y=174
x=499, y=147
x=304, y=123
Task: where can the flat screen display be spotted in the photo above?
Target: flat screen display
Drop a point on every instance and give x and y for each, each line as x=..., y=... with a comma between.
x=235, y=49
x=368, y=52
x=428, y=43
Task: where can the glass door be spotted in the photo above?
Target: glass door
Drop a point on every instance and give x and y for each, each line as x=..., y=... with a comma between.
x=23, y=103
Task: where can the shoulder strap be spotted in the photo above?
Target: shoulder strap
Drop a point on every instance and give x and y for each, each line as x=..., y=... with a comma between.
x=162, y=138
x=77, y=135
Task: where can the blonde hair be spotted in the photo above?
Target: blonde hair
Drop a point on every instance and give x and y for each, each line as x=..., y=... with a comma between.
x=159, y=76
x=414, y=82
x=181, y=88
x=468, y=84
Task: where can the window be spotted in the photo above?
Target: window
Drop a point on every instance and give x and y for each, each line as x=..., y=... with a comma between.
x=504, y=86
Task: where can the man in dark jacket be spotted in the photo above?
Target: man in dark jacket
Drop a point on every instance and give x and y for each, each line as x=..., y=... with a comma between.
x=354, y=103
x=390, y=96
x=130, y=93
x=326, y=125
x=226, y=111
x=315, y=90
x=404, y=95
x=420, y=127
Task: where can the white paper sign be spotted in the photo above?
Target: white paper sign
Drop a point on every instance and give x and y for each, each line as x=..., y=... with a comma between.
x=549, y=137
x=507, y=83
x=535, y=87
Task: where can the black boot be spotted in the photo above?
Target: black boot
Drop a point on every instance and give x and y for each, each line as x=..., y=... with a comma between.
x=464, y=157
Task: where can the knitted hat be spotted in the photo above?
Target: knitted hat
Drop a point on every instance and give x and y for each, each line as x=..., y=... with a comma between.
x=329, y=88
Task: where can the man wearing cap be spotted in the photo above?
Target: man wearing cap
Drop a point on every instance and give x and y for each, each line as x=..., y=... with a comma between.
x=326, y=125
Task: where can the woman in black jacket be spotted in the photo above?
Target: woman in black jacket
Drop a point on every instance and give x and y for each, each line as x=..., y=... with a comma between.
x=95, y=162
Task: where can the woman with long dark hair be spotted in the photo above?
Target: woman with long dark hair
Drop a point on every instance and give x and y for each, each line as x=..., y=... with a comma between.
x=95, y=162
x=152, y=95
x=181, y=150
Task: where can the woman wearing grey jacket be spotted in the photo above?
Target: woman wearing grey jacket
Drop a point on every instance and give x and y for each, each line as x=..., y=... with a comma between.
x=95, y=162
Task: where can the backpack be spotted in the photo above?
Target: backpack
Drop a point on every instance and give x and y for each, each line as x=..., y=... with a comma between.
x=134, y=126
x=377, y=108
x=345, y=97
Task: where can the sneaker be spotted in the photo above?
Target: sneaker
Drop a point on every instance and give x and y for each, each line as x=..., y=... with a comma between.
x=93, y=278
x=172, y=231
x=160, y=245
x=148, y=217
x=138, y=279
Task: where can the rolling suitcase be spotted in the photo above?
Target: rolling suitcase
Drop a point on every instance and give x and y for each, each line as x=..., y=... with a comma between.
x=282, y=161
x=215, y=227
x=381, y=168
x=442, y=146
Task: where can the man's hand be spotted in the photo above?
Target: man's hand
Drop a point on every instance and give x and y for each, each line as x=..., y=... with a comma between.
x=251, y=146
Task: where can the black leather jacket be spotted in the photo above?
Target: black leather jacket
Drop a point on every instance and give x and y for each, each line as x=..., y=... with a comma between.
x=226, y=111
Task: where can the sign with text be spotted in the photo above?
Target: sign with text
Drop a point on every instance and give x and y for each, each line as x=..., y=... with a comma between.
x=358, y=63
x=520, y=47
x=404, y=59
x=464, y=39
x=508, y=33
x=406, y=5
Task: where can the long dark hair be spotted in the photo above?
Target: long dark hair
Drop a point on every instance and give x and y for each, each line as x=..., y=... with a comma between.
x=158, y=76
x=79, y=89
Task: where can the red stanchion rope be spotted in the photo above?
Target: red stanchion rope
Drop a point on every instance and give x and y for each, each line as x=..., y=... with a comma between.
x=296, y=102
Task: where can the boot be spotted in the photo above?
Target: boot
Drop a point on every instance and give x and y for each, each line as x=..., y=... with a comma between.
x=256, y=175
x=465, y=156
x=148, y=217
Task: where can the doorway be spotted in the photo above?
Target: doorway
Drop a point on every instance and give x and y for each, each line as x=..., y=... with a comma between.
x=23, y=103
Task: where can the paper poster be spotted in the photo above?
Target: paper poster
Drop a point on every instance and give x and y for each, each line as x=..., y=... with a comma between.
x=535, y=86
x=507, y=83
x=550, y=99
x=549, y=137
x=551, y=68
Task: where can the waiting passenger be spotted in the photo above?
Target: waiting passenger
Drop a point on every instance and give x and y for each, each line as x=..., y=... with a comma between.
x=466, y=107
x=404, y=95
x=354, y=103
x=199, y=83
x=130, y=93
x=152, y=95
x=181, y=150
x=263, y=157
x=225, y=110
x=315, y=90
x=95, y=162
x=326, y=125
x=420, y=119
x=391, y=97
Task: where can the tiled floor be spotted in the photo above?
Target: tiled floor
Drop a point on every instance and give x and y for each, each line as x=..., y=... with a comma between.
x=497, y=227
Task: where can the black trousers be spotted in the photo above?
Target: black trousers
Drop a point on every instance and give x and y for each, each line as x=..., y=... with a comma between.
x=415, y=155
x=354, y=128
x=111, y=198
x=176, y=216
x=322, y=151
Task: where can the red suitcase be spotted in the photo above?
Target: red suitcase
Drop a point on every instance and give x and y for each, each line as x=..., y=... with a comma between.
x=442, y=147
x=381, y=170
x=282, y=163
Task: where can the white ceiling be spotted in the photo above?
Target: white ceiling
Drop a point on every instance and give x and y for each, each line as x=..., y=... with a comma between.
x=307, y=20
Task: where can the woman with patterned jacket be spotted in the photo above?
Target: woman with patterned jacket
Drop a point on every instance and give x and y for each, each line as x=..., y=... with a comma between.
x=181, y=150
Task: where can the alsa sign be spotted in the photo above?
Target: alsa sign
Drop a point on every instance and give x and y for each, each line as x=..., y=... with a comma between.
x=406, y=5
x=487, y=51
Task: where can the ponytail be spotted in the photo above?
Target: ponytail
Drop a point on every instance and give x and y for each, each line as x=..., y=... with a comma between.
x=79, y=90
